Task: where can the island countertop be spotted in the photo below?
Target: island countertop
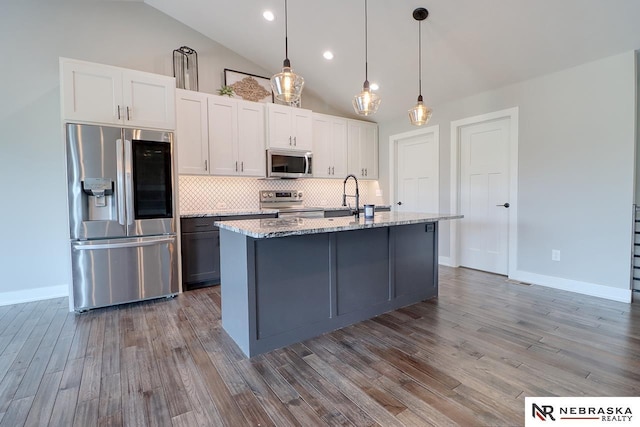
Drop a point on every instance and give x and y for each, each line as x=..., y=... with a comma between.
x=293, y=226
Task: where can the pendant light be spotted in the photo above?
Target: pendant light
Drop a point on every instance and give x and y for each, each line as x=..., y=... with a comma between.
x=287, y=85
x=420, y=114
x=366, y=102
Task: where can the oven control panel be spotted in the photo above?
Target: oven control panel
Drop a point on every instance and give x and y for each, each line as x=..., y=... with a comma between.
x=280, y=196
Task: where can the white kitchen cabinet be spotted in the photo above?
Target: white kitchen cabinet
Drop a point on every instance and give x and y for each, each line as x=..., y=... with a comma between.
x=329, y=146
x=236, y=137
x=104, y=94
x=289, y=127
x=362, y=141
x=251, y=139
x=223, y=135
x=192, y=132
x=217, y=135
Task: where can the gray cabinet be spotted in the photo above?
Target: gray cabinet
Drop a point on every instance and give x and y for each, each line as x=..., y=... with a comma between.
x=282, y=290
x=200, y=252
x=201, y=249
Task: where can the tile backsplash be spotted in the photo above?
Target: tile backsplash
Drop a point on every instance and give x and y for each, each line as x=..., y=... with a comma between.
x=201, y=194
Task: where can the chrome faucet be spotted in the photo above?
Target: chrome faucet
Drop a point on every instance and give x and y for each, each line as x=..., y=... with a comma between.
x=357, y=195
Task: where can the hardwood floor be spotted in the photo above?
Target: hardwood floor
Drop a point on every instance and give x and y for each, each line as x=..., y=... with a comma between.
x=468, y=357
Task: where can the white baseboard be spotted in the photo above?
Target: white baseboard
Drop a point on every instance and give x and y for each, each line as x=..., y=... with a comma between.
x=445, y=260
x=36, y=294
x=585, y=288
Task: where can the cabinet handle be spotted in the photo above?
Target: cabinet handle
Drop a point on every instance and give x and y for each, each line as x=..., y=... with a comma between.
x=295, y=141
x=241, y=166
x=289, y=140
x=119, y=113
x=128, y=113
x=206, y=166
x=362, y=171
x=329, y=171
x=236, y=166
x=333, y=170
x=366, y=172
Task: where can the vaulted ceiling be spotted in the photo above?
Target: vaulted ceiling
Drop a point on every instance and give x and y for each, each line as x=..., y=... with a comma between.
x=469, y=46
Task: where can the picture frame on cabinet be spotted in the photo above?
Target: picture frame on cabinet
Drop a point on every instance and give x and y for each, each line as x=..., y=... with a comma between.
x=249, y=87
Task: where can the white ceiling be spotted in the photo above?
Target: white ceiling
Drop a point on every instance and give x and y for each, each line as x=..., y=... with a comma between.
x=469, y=46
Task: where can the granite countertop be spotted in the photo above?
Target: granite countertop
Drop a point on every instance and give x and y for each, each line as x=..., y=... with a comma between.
x=293, y=226
x=201, y=214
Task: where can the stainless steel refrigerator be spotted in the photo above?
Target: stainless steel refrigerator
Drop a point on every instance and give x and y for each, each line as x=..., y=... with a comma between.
x=121, y=215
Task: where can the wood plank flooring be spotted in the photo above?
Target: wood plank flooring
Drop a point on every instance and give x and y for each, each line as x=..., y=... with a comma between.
x=468, y=357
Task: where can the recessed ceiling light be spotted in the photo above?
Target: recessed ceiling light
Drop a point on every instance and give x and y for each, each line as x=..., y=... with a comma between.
x=374, y=86
x=328, y=54
x=268, y=15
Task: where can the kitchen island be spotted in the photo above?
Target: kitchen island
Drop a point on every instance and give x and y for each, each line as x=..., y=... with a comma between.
x=285, y=280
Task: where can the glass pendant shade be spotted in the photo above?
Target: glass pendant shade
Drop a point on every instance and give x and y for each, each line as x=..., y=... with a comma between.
x=287, y=85
x=420, y=114
x=366, y=102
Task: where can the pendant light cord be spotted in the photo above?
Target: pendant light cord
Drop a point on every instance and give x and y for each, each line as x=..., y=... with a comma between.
x=286, y=32
x=366, y=43
x=420, y=58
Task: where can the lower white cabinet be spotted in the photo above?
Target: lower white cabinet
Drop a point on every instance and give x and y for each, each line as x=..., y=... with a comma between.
x=362, y=141
x=329, y=146
x=219, y=135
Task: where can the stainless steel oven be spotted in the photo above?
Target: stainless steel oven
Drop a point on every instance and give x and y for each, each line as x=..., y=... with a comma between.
x=289, y=203
x=289, y=164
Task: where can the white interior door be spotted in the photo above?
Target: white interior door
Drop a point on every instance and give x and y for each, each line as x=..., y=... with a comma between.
x=484, y=191
x=417, y=174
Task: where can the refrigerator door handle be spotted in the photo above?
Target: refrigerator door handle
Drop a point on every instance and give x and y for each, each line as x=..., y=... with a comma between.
x=120, y=182
x=81, y=247
x=128, y=182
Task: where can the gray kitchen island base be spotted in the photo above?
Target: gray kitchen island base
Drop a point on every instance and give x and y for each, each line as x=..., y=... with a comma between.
x=279, y=291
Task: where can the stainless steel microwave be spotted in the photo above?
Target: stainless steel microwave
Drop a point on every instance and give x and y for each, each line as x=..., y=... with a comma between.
x=288, y=164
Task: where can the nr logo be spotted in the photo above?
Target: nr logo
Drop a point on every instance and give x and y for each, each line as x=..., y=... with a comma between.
x=542, y=412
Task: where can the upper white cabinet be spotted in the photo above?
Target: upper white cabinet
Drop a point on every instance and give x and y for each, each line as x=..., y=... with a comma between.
x=251, y=139
x=97, y=93
x=289, y=127
x=363, y=149
x=329, y=146
x=236, y=137
x=192, y=132
x=219, y=136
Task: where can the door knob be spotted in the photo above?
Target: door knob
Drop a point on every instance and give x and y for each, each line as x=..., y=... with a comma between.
x=399, y=203
x=506, y=205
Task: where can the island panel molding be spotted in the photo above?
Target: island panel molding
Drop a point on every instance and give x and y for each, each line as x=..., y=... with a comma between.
x=301, y=278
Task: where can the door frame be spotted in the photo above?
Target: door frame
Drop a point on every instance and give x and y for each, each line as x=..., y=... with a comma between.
x=393, y=150
x=454, y=235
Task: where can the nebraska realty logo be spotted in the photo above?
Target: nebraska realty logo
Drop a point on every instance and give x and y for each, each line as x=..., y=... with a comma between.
x=582, y=411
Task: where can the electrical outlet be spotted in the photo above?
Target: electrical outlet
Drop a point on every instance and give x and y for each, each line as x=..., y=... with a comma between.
x=555, y=254
x=221, y=205
x=378, y=193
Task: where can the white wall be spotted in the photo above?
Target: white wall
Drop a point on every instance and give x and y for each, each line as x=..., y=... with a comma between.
x=576, y=169
x=34, y=249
